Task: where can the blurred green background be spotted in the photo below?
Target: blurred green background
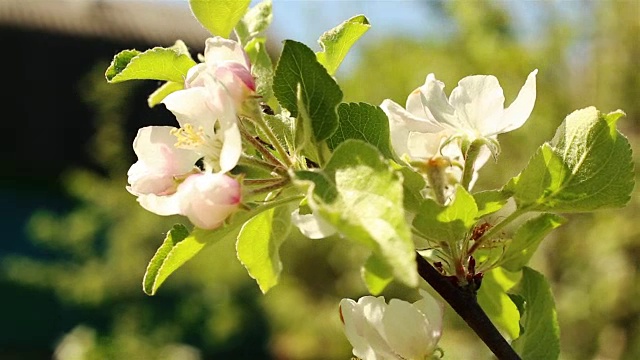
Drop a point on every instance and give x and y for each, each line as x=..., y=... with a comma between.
x=70, y=279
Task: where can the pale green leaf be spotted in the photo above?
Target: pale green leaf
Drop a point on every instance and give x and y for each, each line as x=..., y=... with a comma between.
x=587, y=166
x=261, y=67
x=219, y=16
x=377, y=274
x=490, y=201
x=494, y=300
x=255, y=21
x=541, y=337
x=166, y=64
x=165, y=89
x=336, y=42
x=259, y=243
x=362, y=197
x=527, y=238
x=450, y=223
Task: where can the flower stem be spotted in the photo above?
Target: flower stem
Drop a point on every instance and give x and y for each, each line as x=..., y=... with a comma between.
x=494, y=230
x=257, y=117
x=261, y=148
x=464, y=304
x=469, y=163
x=261, y=164
x=270, y=188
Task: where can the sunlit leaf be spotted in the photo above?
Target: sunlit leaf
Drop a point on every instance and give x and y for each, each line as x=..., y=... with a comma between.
x=219, y=16
x=336, y=42
x=494, y=300
x=167, y=64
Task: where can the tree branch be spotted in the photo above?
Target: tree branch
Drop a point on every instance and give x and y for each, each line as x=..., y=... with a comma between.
x=464, y=304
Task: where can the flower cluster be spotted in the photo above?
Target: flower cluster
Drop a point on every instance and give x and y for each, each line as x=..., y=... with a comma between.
x=184, y=170
x=395, y=331
x=451, y=139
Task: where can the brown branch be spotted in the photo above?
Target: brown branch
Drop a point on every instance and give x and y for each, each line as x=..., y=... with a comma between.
x=464, y=303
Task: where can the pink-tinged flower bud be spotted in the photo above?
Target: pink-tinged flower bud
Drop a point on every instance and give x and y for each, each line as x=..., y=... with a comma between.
x=226, y=62
x=207, y=199
x=398, y=330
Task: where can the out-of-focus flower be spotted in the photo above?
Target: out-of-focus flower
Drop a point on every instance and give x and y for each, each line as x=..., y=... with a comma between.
x=312, y=225
x=208, y=124
x=397, y=331
x=225, y=61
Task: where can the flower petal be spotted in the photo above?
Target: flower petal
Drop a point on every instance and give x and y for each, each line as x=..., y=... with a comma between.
x=407, y=331
x=161, y=205
x=518, y=112
x=218, y=49
x=433, y=101
x=354, y=323
x=479, y=103
x=433, y=311
x=207, y=199
x=190, y=106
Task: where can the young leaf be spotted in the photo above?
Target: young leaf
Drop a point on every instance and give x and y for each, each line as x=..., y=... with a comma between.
x=255, y=21
x=527, y=238
x=336, y=42
x=365, y=122
x=178, y=247
x=259, y=242
x=541, y=337
x=490, y=201
x=167, y=88
x=298, y=69
x=261, y=67
x=377, y=274
x=587, y=166
x=167, y=64
x=494, y=300
x=449, y=223
x=361, y=196
x=219, y=16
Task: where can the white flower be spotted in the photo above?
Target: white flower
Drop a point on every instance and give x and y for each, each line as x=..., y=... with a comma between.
x=208, y=124
x=312, y=225
x=225, y=61
x=159, y=163
x=398, y=331
x=475, y=110
x=207, y=199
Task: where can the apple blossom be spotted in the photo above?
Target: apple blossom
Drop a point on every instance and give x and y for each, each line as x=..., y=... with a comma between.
x=159, y=163
x=475, y=110
x=207, y=199
x=226, y=61
x=398, y=330
x=208, y=124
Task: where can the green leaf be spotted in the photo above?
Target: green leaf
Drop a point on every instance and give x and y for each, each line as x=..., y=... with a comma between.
x=450, y=223
x=167, y=64
x=377, y=274
x=259, y=243
x=541, y=337
x=494, y=300
x=261, y=67
x=336, y=42
x=527, y=238
x=490, y=201
x=365, y=122
x=178, y=247
x=362, y=197
x=219, y=16
x=298, y=69
x=167, y=88
x=255, y=21
x=587, y=166
x=412, y=183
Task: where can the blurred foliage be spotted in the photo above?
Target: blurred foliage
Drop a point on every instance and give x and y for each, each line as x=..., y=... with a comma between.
x=211, y=309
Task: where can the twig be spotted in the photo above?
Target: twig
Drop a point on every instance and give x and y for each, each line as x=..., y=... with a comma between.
x=464, y=304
